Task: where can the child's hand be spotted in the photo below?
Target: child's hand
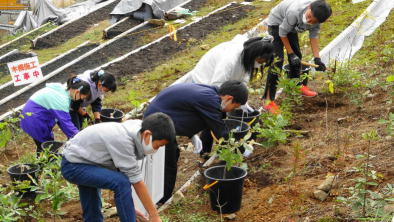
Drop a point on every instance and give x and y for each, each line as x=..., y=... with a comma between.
x=140, y=216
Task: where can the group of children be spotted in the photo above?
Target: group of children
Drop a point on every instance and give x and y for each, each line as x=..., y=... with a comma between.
x=104, y=155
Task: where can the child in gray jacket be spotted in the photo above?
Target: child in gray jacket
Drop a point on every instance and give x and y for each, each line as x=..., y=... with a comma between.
x=284, y=22
x=104, y=156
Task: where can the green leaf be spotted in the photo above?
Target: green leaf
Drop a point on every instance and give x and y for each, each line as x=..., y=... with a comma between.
x=390, y=78
x=330, y=86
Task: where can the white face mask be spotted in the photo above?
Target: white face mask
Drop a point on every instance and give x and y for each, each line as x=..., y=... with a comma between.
x=304, y=19
x=148, y=149
x=225, y=103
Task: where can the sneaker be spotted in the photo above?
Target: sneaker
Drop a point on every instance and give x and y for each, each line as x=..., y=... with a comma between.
x=272, y=108
x=305, y=91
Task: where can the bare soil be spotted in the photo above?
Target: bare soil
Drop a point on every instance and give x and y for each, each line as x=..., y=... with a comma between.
x=142, y=61
x=46, y=69
x=129, y=23
x=75, y=28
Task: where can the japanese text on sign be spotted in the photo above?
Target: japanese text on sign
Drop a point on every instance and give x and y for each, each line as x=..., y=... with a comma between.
x=25, y=71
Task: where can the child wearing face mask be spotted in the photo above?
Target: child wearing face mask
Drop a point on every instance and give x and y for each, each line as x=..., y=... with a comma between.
x=50, y=106
x=104, y=156
x=100, y=83
x=238, y=59
x=195, y=108
x=284, y=22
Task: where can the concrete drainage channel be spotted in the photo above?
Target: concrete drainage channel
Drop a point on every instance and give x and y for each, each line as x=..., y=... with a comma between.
x=74, y=27
x=120, y=45
x=23, y=39
x=48, y=67
x=213, y=21
x=139, y=60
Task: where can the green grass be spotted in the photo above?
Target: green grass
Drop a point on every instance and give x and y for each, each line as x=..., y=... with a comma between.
x=38, y=32
x=192, y=208
x=94, y=34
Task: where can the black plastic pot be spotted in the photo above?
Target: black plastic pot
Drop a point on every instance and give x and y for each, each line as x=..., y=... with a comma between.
x=251, y=118
x=53, y=147
x=111, y=115
x=304, y=70
x=238, y=128
x=226, y=195
x=24, y=172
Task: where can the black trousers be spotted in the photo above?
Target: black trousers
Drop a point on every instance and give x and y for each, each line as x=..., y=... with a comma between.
x=76, y=118
x=171, y=163
x=39, y=148
x=273, y=75
x=172, y=153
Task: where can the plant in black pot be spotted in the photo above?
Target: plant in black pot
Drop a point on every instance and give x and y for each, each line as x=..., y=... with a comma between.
x=225, y=182
x=23, y=177
x=111, y=115
x=51, y=149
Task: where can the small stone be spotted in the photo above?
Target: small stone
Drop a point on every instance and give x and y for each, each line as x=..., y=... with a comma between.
x=388, y=138
x=177, y=196
x=186, y=161
x=204, y=47
x=230, y=216
x=327, y=184
x=320, y=195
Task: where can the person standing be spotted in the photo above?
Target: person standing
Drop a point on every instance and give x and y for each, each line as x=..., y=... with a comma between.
x=284, y=22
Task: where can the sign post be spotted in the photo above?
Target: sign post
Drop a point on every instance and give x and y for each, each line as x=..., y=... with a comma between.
x=25, y=71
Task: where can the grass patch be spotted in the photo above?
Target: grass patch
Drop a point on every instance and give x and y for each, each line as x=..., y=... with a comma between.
x=36, y=33
x=93, y=34
x=5, y=79
x=192, y=208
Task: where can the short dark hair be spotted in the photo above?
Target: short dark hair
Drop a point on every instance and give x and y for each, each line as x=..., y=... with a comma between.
x=321, y=10
x=236, y=89
x=256, y=48
x=160, y=125
x=107, y=79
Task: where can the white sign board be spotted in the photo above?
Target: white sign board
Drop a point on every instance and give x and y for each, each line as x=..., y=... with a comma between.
x=25, y=71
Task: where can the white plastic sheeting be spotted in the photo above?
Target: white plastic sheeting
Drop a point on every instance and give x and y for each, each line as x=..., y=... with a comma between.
x=345, y=45
x=159, y=6
x=25, y=21
x=44, y=10
x=153, y=171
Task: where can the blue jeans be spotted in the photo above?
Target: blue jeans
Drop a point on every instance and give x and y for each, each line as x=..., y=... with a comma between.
x=90, y=179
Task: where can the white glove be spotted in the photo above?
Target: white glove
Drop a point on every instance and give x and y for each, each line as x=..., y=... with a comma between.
x=197, y=143
x=246, y=108
x=247, y=152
